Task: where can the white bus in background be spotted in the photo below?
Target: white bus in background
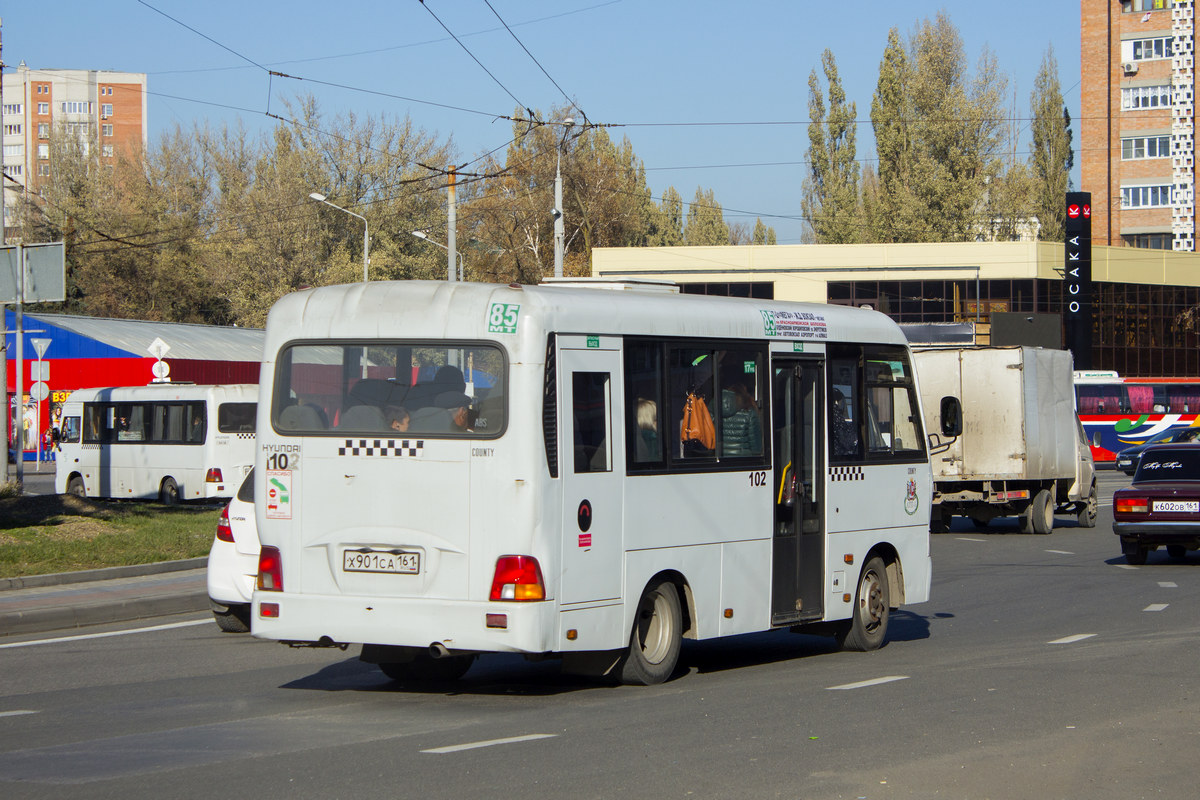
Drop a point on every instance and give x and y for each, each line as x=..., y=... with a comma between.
x=574, y=510
x=171, y=441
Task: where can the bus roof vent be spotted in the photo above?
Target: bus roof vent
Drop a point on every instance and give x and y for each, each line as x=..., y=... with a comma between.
x=620, y=285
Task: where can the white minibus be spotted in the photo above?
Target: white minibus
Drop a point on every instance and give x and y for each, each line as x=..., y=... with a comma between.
x=171, y=441
x=586, y=470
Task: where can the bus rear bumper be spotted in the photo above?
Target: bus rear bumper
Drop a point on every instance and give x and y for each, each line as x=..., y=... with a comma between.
x=457, y=625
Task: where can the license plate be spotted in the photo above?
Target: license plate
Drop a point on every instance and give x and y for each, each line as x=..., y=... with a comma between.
x=1178, y=506
x=385, y=561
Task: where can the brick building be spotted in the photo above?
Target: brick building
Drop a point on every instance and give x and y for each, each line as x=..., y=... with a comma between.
x=104, y=109
x=1138, y=128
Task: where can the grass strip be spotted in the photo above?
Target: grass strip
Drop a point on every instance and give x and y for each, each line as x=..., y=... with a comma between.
x=60, y=533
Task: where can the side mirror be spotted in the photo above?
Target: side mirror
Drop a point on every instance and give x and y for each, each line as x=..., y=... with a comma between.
x=951, y=415
x=1096, y=439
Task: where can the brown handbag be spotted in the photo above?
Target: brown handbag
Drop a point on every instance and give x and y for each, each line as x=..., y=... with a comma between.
x=697, y=426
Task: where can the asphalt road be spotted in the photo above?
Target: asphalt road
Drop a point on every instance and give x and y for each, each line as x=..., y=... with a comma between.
x=1043, y=667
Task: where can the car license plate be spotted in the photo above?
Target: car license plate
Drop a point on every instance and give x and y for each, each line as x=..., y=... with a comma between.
x=1177, y=506
x=387, y=561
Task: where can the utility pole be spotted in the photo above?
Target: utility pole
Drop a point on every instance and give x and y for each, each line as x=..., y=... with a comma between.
x=557, y=211
x=451, y=225
x=8, y=417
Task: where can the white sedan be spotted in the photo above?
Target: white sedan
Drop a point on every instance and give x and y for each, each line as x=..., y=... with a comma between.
x=233, y=561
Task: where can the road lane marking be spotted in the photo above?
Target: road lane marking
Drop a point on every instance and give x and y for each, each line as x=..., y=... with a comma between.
x=17, y=713
x=1124, y=566
x=83, y=636
x=456, y=748
x=1079, y=637
x=969, y=539
x=1061, y=552
x=1168, y=585
x=864, y=684
x=1155, y=607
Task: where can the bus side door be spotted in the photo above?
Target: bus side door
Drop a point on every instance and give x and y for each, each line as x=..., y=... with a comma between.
x=798, y=551
x=590, y=430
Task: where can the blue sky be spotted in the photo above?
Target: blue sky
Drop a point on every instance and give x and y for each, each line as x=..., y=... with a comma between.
x=651, y=65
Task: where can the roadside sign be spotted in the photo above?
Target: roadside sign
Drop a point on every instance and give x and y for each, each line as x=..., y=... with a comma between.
x=39, y=391
x=45, y=273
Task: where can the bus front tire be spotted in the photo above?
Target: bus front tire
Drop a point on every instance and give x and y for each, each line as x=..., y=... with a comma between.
x=656, y=637
x=75, y=487
x=169, y=493
x=868, y=625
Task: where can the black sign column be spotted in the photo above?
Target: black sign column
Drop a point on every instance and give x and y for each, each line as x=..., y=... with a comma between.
x=1077, y=278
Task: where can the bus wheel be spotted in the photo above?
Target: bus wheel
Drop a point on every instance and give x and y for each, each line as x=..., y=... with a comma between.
x=1176, y=551
x=75, y=487
x=425, y=669
x=656, y=638
x=169, y=493
x=868, y=625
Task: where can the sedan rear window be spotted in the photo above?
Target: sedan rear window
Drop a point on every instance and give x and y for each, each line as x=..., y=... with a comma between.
x=1169, y=464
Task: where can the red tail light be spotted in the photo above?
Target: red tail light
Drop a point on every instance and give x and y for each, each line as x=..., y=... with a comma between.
x=214, y=475
x=1131, y=505
x=224, y=532
x=270, y=570
x=518, y=578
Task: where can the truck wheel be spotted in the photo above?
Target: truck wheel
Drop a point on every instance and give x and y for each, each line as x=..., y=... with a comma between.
x=939, y=521
x=1087, y=514
x=1039, y=515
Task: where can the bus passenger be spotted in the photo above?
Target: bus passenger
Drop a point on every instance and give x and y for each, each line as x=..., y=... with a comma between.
x=397, y=418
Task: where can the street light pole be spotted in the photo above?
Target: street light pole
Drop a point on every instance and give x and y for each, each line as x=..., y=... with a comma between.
x=461, y=266
x=320, y=198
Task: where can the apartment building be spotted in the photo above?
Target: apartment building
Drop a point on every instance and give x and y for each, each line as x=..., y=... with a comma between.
x=104, y=109
x=1138, y=128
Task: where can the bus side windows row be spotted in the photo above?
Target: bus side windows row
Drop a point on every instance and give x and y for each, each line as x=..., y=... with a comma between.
x=150, y=423
x=873, y=411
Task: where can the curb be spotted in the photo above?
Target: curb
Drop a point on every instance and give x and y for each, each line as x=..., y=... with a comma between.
x=41, y=620
x=104, y=574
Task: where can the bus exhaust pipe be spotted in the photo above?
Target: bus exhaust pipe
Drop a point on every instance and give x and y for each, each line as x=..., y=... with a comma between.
x=438, y=650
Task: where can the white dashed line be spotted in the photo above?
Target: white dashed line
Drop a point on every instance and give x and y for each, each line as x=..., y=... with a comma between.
x=1061, y=552
x=1124, y=566
x=1155, y=607
x=1079, y=637
x=455, y=748
x=18, y=713
x=968, y=539
x=1168, y=585
x=864, y=684
x=206, y=621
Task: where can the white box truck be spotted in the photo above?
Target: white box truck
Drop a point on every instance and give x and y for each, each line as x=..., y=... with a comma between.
x=1022, y=451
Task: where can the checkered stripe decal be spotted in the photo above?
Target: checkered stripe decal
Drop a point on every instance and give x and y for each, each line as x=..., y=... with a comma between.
x=401, y=448
x=245, y=436
x=837, y=474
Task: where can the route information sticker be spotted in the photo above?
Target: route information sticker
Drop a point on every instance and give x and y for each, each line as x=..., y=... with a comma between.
x=794, y=324
x=279, y=494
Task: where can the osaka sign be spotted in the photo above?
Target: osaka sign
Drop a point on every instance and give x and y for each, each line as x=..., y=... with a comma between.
x=1077, y=278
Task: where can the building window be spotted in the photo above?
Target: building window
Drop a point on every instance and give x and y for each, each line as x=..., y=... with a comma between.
x=12, y=108
x=14, y=152
x=13, y=171
x=43, y=130
x=43, y=151
x=1146, y=147
x=1146, y=196
x=106, y=150
x=1149, y=241
x=12, y=130
x=106, y=129
x=1146, y=49
x=43, y=108
x=43, y=170
x=76, y=107
x=1144, y=5
x=1134, y=98
x=106, y=109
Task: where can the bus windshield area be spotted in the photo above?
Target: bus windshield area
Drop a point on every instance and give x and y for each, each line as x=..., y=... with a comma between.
x=390, y=388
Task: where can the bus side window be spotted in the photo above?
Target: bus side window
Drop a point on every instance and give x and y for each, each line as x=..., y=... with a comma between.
x=589, y=414
x=71, y=429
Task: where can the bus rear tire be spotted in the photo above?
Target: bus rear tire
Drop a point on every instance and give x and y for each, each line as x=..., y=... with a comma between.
x=75, y=487
x=235, y=620
x=425, y=669
x=869, y=623
x=168, y=494
x=656, y=637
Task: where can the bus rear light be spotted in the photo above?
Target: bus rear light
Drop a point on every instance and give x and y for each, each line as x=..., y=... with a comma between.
x=1131, y=505
x=224, y=532
x=517, y=578
x=268, y=610
x=270, y=570
x=497, y=621
x=214, y=475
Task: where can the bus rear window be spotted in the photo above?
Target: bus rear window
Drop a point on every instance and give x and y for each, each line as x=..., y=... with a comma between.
x=394, y=388
x=236, y=417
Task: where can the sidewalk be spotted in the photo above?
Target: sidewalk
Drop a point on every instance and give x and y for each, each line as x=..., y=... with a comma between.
x=73, y=599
